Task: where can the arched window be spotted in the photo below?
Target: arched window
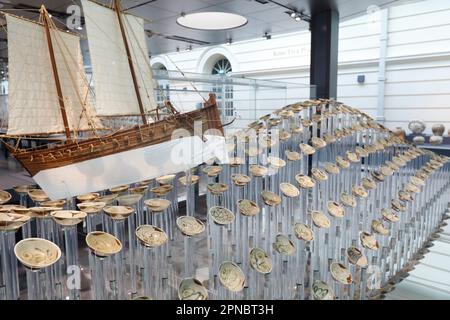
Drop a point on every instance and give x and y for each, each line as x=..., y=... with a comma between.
x=223, y=67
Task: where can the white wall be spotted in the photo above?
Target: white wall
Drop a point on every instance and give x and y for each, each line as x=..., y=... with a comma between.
x=417, y=82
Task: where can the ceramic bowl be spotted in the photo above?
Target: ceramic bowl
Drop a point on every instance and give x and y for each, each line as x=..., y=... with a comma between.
x=88, y=197
x=38, y=195
x=10, y=221
x=270, y=198
x=190, y=226
x=118, y=212
x=68, y=217
x=151, y=236
x=129, y=199
x=303, y=232
x=231, y=276
x=37, y=253
x=157, y=205
x=4, y=197
x=289, y=190
x=247, y=208
x=340, y=273
x=192, y=289
x=283, y=245
x=260, y=261
x=103, y=244
x=91, y=207
x=221, y=215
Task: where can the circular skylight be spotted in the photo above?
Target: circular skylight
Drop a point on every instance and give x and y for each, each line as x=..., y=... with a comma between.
x=212, y=20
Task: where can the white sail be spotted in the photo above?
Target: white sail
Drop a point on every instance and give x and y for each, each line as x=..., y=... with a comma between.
x=114, y=88
x=137, y=40
x=33, y=106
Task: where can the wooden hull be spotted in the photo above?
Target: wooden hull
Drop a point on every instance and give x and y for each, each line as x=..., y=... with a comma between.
x=141, y=136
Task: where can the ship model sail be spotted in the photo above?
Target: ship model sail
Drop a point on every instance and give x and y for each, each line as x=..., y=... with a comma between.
x=50, y=96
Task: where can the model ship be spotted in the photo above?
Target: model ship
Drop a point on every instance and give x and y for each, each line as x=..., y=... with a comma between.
x=50, y=97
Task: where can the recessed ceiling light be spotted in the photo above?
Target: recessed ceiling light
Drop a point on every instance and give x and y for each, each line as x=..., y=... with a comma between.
x=212, y=20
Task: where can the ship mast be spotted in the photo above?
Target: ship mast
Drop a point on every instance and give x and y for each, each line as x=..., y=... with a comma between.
x=130, y=62
x=46, y=19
